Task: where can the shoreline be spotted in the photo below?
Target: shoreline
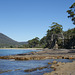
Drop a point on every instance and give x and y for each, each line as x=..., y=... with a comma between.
x=63, y=69
x=43, y=54
x=49, y=54
x=25, y=48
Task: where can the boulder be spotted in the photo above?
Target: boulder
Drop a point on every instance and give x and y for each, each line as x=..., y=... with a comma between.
x=52, y=66
x=54, y=62
x=49, y=63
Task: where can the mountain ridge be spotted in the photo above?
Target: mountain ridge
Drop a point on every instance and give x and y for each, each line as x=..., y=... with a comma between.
x=6, y=41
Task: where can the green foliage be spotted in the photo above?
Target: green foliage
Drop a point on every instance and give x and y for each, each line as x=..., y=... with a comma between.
x=71, y=13
x=73, y=31
x=11, y=46
x=46, y=41
x=69, y=41
x=56, y=28
x=34, y=42
x=73, y=5
x=69, y=32
x=43, y=42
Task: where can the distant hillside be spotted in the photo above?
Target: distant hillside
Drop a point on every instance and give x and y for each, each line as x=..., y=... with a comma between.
x=22, y=43
x=5, y=41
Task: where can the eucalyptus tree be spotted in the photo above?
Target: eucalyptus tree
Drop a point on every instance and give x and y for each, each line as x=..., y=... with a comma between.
x=56, y=28
x=71, y=13
x=52, y=34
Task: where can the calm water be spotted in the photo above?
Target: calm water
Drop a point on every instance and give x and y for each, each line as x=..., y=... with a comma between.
x=5, y=52
x=12, y=67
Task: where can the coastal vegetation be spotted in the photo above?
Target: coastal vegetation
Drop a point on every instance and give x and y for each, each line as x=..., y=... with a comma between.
x=71, y=13
x=64, y=39
x=56, y=35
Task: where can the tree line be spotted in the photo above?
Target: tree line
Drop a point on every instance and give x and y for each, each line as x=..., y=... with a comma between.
x=64, y=39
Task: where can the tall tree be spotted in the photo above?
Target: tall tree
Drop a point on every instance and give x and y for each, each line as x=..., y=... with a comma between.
x=71, y=13
x=56, y=28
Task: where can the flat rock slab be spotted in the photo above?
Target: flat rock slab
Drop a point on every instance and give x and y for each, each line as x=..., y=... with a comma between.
x=44, y=54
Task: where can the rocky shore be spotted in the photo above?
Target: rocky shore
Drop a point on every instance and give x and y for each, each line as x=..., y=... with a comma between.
x=44, y=54
x=63, y=69
x=59, y=68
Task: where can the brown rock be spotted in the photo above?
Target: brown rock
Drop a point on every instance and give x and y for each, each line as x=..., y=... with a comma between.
x=54, y=62
x=52, y=66
x=49, y=63
x=70, y=57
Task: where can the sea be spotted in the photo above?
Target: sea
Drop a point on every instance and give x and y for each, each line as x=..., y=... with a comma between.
x=17, y=67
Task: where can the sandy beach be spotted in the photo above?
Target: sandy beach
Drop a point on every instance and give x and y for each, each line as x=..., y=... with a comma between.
x=24, y=48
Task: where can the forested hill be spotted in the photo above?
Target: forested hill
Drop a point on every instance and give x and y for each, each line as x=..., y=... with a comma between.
x=5, y=41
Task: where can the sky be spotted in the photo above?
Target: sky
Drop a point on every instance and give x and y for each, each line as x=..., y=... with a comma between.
x=23, y=20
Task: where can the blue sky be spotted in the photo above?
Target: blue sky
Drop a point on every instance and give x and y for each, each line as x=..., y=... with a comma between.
x=23, y=20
